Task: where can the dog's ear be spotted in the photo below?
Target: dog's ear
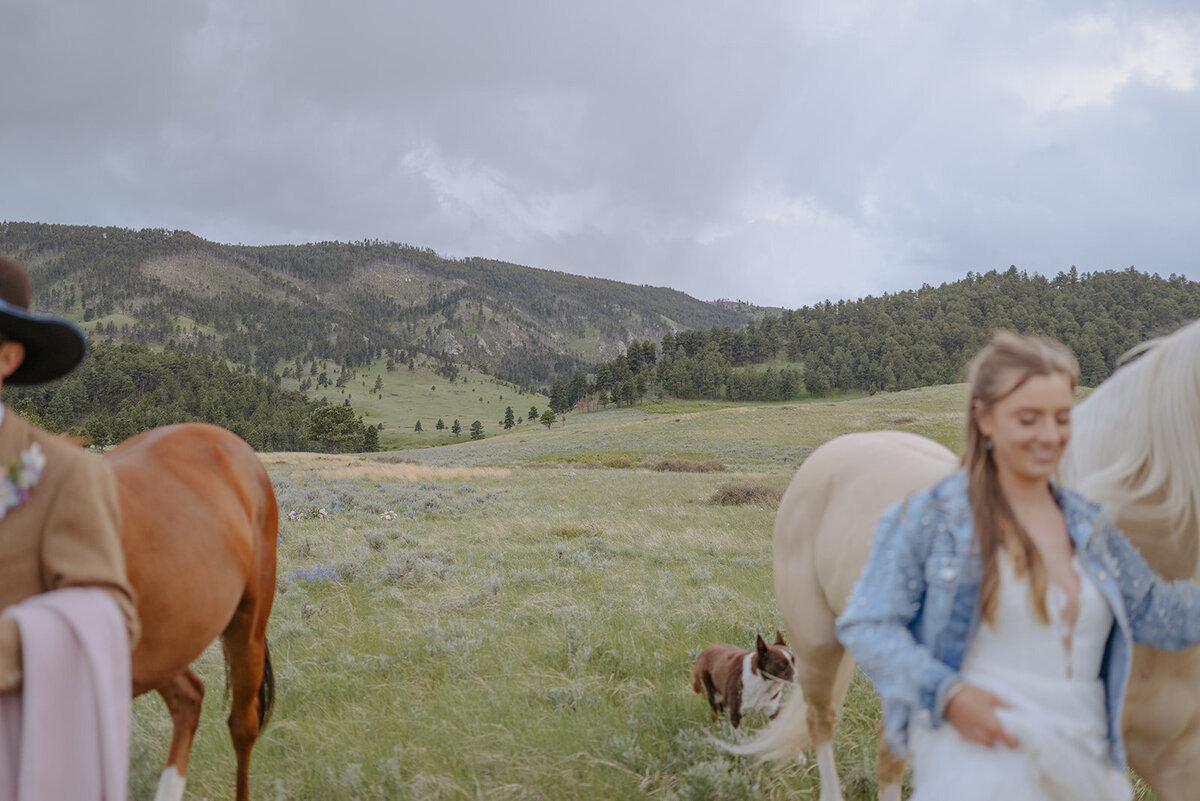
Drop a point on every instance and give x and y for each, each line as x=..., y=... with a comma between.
x=779, y=637
x=760, y=644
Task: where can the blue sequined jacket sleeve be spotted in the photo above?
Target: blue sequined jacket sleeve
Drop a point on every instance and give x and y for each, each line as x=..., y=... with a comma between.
x=1162, y=614
x=881, y=624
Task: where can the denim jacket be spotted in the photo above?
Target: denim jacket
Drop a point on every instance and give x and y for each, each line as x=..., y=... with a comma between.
x=915, y=607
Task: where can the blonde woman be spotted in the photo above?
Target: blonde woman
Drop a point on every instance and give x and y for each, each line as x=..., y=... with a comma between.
x=997, y=612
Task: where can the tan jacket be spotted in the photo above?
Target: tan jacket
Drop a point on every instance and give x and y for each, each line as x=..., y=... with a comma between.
x=68, y=534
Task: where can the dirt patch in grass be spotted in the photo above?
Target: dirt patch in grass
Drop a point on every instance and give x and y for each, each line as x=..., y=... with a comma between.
x=574, y=532
x=335, y=466
x=747, y=492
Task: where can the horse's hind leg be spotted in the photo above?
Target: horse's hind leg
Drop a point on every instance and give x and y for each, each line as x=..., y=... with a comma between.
x=183, y=696
x=824, y=688
x=889, y=769
x=252, y=682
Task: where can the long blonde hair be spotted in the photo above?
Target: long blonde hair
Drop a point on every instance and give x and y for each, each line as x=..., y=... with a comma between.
x=998, y=370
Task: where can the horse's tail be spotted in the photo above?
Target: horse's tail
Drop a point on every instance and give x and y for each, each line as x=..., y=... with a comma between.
x=266, y=687
x=266, y=690
x=784, y=739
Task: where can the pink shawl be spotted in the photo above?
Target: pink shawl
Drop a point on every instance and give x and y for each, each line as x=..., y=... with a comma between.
x=66, y=734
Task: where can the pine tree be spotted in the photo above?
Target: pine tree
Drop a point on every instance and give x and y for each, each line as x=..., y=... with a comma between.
x=417, y=427
x=456, y=429
x=509, y=420
x=335, y=427
x=476, y=430
x=441, y=424
x=558, y=397
x=547, y=418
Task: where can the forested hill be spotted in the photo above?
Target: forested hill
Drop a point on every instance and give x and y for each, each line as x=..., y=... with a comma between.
x=278, y=312
x=347, y=302
x=910, y=339
x=925, y=336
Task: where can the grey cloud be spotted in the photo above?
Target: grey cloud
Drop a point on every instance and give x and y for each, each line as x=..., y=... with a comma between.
x=782, y=153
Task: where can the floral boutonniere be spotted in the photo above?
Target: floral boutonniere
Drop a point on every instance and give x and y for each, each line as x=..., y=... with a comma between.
x=19, y=478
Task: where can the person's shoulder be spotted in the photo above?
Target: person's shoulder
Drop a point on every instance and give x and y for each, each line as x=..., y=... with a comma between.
x=945, y=493
x=62, y=456
x=945, y=496
x=949, y=491
x=1075, y=504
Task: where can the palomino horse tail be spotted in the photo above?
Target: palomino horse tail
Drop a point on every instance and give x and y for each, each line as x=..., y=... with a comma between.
x=784, y=739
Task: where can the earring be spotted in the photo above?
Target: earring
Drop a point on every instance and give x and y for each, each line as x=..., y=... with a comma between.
x=987, y=445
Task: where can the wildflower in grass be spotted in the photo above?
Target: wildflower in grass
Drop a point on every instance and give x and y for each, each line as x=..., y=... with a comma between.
x=315, y=575
x=388, y=515
x=322, y=512
x=465, y=489
x=295, y=514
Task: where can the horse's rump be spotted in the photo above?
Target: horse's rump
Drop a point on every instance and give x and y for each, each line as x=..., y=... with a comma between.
x=827, y=517
x=199, y=527
x=823, y=531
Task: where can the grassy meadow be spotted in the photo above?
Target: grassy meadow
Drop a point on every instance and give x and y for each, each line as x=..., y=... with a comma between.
x=407, y=396
x=517, y=617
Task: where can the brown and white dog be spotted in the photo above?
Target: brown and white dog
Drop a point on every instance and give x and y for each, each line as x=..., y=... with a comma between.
x=748, y=682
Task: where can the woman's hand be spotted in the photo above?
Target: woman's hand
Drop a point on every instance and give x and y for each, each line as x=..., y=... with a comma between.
x=972, y=711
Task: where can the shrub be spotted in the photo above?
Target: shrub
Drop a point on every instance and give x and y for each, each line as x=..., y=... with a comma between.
x=573, y=532
x=717, y=779
x=413, y=569
x=747, y=492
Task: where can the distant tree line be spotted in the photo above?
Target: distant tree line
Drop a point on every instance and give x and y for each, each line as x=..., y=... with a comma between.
x=926, y=336
x=898, y=341
x=121, y=390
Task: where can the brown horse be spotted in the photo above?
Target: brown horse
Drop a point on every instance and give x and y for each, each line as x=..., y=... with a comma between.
x=200, y=527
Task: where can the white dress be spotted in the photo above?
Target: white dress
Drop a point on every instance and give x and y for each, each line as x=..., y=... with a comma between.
x=1048, y=673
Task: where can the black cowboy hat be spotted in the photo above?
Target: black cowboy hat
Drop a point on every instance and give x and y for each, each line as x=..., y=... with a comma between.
x=53, y=345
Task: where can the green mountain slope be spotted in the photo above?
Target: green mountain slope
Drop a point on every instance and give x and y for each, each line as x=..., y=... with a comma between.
x=351, y=303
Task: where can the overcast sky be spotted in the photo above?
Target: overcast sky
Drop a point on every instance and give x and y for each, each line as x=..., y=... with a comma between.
x=782, y=153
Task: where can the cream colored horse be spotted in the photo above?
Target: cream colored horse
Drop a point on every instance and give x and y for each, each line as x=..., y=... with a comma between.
x=1135, y=447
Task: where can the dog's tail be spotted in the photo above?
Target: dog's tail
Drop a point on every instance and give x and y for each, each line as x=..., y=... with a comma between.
x=782, y=740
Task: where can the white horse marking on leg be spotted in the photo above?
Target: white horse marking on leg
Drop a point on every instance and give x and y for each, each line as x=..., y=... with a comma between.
x=170, y=785
x=889, y=792
x=831, y=789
